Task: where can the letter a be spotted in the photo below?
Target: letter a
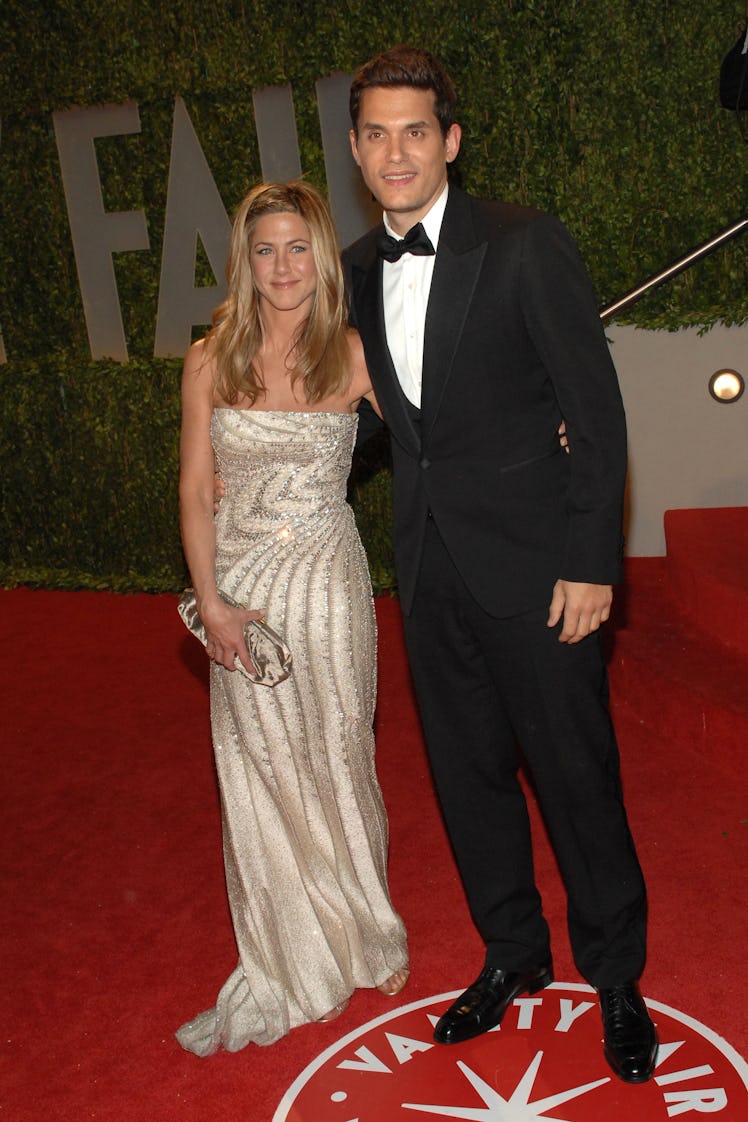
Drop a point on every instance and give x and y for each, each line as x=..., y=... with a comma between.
x=193, y=208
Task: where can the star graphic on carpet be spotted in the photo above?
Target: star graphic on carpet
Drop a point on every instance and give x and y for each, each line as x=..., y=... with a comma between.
x=518, y=1108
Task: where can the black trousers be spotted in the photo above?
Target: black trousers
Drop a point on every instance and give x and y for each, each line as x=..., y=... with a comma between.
x=484, y=684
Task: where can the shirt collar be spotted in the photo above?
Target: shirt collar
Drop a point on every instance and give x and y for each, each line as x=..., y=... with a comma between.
x=432, y=221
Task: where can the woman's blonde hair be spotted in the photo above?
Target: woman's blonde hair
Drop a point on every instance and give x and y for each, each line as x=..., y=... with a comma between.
x=319, y=354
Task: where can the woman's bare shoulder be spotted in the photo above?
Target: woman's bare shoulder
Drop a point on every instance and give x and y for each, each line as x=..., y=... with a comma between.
x=360, y=377
x=200, y=363
x=201, y=353
x=355, y=345
x=359, y=373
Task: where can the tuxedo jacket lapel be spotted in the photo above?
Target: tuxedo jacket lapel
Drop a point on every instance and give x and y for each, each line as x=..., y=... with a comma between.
x=458, y=262
x=369, y=306
x=456, y=269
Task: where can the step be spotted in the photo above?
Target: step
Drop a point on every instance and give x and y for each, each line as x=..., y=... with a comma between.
x=707, y=553
x=672, y=677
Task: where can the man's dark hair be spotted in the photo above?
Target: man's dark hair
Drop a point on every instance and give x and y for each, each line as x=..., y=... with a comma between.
x=407, y=66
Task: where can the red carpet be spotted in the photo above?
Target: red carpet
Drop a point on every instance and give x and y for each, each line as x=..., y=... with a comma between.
x=115, y=925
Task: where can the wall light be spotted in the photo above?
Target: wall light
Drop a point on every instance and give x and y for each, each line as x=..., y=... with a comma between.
x=726, y=386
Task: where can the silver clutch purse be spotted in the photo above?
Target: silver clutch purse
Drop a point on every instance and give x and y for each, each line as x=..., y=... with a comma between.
x=270, y=655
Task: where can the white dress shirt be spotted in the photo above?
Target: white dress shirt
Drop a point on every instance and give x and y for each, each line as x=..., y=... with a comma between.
x=405, y=288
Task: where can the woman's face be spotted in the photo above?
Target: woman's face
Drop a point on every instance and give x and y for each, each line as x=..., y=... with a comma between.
x=283, y=266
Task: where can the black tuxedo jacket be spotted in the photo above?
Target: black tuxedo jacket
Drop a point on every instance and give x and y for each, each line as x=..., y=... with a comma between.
x=513, y=343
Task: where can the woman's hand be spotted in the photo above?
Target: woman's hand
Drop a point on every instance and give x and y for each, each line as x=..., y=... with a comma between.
x=224, y=631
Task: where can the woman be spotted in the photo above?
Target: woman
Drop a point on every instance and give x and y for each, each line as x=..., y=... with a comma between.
x=272, y=392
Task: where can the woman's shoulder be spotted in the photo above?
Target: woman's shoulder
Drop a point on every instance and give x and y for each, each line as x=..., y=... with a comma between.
x=355, y=346
x=201, y=351
x=200, y=367
x=200, y=359
x=356, y=354
x=360, y=384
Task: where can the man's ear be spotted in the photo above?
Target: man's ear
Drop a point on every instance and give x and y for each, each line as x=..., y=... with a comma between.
x=354, y=145
x=452, y=142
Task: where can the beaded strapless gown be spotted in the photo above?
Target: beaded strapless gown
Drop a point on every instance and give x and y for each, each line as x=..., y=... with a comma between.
x=304, y=826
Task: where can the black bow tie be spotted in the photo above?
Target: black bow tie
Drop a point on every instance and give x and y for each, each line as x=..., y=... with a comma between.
x=416, y=241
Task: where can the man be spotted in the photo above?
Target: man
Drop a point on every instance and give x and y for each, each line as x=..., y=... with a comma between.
x=481, y=332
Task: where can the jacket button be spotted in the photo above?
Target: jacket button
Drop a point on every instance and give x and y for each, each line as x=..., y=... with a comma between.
x=425, y=463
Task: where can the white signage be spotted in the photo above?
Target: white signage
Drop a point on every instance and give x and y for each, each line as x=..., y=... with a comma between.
x=194, y=209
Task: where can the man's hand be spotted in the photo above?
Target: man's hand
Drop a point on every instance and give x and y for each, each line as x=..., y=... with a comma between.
x=583, y=606
x=219, y=490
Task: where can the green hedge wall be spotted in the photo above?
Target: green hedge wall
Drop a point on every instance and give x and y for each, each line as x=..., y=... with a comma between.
x=606, y=114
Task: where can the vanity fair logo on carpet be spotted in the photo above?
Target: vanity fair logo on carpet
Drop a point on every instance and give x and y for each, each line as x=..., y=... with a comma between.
x=543, y=1064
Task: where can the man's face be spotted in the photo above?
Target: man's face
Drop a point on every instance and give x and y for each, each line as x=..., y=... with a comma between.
x=401, y=151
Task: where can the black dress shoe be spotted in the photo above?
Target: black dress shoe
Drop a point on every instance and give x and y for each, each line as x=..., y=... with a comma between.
x=630, y=1037
x=483, y=1004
